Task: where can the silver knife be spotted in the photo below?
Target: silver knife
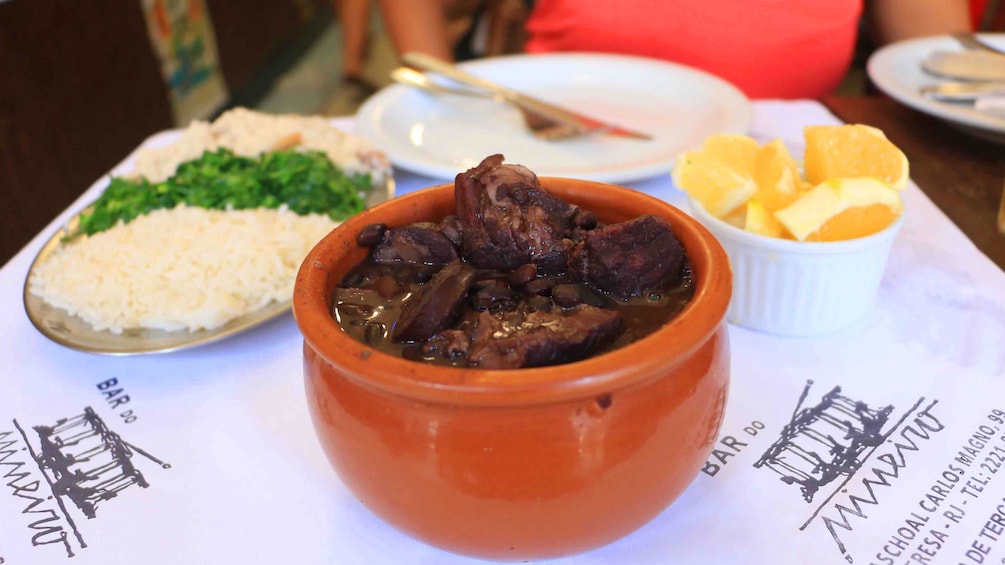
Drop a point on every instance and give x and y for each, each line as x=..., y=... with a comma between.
x=962, y=91
x=976, y=66
x=425, y=62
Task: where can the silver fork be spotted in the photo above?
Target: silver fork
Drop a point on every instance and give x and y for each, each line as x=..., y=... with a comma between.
x=539, y=125
x=971, y=41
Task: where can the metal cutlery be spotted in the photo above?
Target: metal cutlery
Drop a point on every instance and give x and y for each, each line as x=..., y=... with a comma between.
x=560, y=122
x=972, y=41
x=969, y=65
x=412, y=77
x=963, y=91
x=976, y=72
x=539, y=125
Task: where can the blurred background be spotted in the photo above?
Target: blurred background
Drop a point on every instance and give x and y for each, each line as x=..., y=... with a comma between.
x=85, y=82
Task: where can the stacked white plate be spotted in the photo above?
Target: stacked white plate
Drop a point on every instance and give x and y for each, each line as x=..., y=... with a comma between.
x=899, y=70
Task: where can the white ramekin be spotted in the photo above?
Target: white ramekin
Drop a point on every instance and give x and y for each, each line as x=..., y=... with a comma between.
x=797, y=288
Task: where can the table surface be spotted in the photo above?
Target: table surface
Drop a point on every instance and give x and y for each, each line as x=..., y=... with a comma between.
x=223, y=465
x=962, y=174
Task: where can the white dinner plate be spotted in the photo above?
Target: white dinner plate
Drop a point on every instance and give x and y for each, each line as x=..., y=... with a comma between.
x=440, y=135
x=896, y=70
x=74, y=332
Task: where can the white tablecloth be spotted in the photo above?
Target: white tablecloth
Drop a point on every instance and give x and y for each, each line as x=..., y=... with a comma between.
x=233, y=472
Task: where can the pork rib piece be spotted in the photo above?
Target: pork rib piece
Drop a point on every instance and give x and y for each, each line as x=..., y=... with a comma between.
x=508, y=220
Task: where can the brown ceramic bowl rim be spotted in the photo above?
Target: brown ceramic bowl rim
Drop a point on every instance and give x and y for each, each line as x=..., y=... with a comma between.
x=654, y=355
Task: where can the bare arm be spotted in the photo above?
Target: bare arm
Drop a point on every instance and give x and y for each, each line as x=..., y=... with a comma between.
x=895, y=20
x=354, y=18
x=418, y=25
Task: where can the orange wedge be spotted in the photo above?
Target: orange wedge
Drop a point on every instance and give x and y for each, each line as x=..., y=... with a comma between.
x=854, y=150
x=840, y=209
x=777, y=176
x=720, y=174
x=737, y=151
x=717, y=186
x=761, y=221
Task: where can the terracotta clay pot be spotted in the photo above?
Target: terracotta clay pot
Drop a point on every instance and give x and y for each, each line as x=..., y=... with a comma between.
x=528, y=463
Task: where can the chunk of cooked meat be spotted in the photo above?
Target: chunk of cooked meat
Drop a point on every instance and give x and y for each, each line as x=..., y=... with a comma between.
x=437, y=304
x=515, y=277
x=630, y=258
x=543, y=337
x=508, y=220
x=420, y=244
x=448, y=344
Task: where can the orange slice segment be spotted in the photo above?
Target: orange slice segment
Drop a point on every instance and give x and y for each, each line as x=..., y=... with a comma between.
x=720, y=174
x=717, y=186
x=736, y=151
x=777, y=176
x=761, y=221
x=841, y=209
x=854, y=150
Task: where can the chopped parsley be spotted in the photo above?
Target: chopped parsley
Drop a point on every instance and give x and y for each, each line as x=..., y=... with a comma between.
x=305, y=181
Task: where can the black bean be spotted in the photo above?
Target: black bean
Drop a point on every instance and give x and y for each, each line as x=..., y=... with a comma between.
x=481, y=301
x=371, y=235
x=494, y=298
x=486, y=283
x=523, y=274
x=374, y=333
x=386, y=286
x=566, y=295
x=497, y=293
x=539, y=303
x=539, y=286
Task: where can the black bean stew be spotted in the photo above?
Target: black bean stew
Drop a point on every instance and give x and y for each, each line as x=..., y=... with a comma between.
x=517, y=278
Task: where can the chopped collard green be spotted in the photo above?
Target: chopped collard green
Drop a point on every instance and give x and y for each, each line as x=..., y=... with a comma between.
x=305, y=181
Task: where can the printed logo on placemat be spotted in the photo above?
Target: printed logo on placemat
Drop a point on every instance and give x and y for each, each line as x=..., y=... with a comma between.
x=67, y=470
x=830, y=442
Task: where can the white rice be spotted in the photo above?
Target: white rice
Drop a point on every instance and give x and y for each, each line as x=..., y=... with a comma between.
x=250, y=133
x=186, y=268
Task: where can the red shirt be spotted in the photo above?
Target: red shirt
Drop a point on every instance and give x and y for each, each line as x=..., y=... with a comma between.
x=767, y=48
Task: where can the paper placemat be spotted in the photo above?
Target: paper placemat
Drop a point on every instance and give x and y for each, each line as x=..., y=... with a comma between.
x=881, y=444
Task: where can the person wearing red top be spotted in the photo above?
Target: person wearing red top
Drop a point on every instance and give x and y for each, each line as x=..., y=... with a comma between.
x=767, y=48
x=779, y=49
